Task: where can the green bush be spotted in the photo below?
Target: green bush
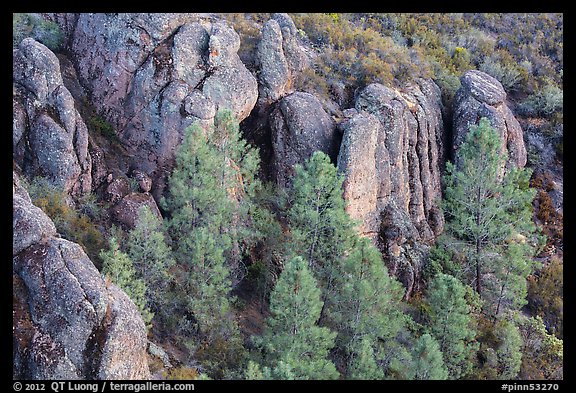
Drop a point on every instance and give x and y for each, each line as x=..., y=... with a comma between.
x=72, y=223
x=98, y=124
x=509, y=77
x=32, y=25
x=546, y=102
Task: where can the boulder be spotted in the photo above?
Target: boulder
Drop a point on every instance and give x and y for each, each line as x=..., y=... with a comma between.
x=68, y=322
x=127, y=210
x=50, y=138
x=299, y=127
x=117, y=188
x=481, y=95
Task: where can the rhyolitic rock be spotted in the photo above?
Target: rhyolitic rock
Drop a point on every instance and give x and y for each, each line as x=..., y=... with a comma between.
x=50, y=139
x=481, y=95
x=299, y=127
x=391, y=156
x=153, y=75
x=69, y=323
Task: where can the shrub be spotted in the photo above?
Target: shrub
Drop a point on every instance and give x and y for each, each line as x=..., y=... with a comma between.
x=72, y=223
x=508, y=76
x=32, y=25
x=545, y=296
x=545, y=102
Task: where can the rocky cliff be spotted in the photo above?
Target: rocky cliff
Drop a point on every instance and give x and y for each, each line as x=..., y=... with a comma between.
x=49, y=136
x=391, y=157
x=68, y=322
x=152, y=75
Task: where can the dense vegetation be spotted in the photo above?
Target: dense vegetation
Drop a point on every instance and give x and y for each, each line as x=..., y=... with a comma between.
x=331, y=308
x=244, y=280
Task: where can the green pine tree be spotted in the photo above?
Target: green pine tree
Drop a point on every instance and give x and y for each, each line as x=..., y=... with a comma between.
x=428, y=359
x=450, y=323
x=361, y=301
x=209, y=201
x=152, y=257
x=366, y=308
x=509, y=350
x=119, y=268
x=321, y=231
x=488, y=220
x=292, y=335
x=363, y=364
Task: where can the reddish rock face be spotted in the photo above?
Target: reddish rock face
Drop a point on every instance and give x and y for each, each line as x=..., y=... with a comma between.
x=390, y=156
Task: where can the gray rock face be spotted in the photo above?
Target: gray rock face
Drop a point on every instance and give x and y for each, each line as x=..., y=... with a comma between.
x=391, y=154
x=65, y=314
x=279, y=57
x=49, y=136
x=152, y=75
x=483, y=96
x=300, y=126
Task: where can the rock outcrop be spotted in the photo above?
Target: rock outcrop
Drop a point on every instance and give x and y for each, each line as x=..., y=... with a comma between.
x=152, y=75
x=68, y=323
x=280, y=57
x=299, y=127
x=127, y=210
x=49, y=136
x=391, y=156
x=480, y=95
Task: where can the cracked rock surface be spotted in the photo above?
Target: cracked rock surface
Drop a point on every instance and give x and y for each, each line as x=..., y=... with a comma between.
x=49, y=136
x=390, y=156
x=68, y=322
x=153, y=75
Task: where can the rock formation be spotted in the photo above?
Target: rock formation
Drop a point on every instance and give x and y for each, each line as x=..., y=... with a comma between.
x=127, y=210
x=480, y=95
x=68, y=323
x=299, y=127
x=49, y=136
x=280, y=57
x=391, y=156
x=152, y=75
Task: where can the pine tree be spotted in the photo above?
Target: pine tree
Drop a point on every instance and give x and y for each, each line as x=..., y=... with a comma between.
x=292, y=335
x=363, y=364
x=118, y=266
x=209, y=201
x=488, y=218
x=152, y=258
x=361, y=301
x=450, y=323
x=366, y=307
x=508, y=350
x=428, y=361
x=321, y=231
